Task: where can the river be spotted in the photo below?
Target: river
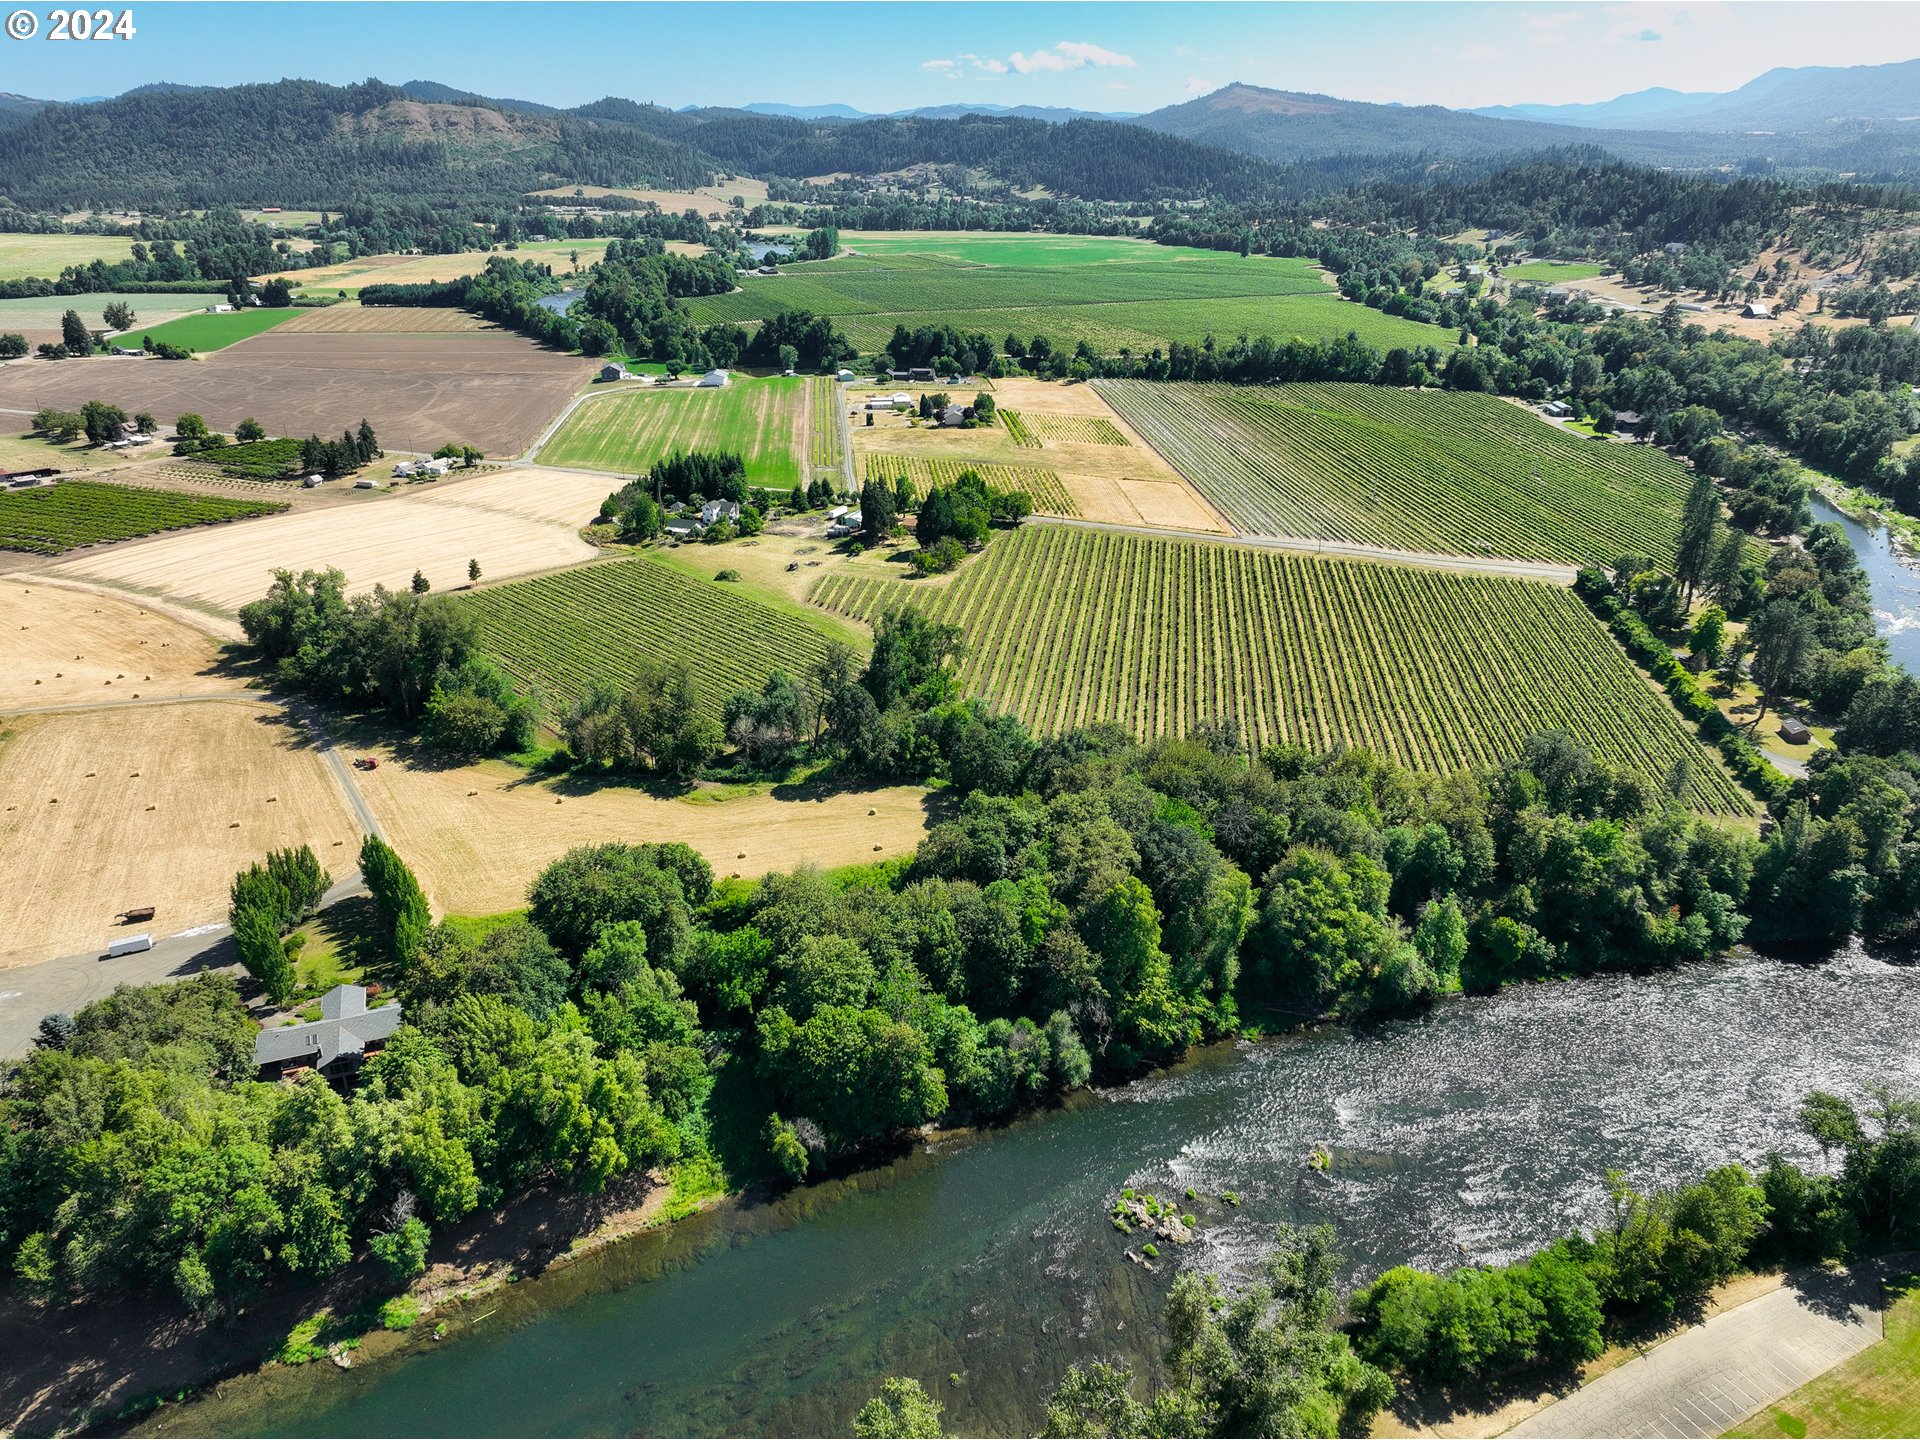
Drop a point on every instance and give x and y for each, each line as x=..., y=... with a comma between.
x=1482, y=1127
x=1894, y=584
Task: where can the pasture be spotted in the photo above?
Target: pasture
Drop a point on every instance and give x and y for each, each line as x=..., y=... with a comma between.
x=1442, y=671
x=64, y=647
x=353, y=275
x=209, y=332
x=151, y=805
x=52, y=519
x=39, y=319
x=492, y=389
x=1439, y=471
x=1552, y=272
x=1114, y=293
x=763, y=421
x=477, y=835
x=512, y=521
x=560, y=633
x=45, y=256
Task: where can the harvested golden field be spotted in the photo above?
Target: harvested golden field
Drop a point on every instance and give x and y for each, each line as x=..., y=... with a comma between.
x=150, y=805
x=711, y=201
x=38, y=318
x=491, y=389
x=354, y=319
x=351, y=275
x=476, y=835
x=1125, y=483
x=67, y=647
x=512, y=521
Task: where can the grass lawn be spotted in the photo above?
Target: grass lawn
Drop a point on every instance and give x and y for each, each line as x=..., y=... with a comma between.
x=45, y=256
x=209, y=332
x=1876, y=1392
x=626, y=432
x=1553, y=272
x=343, y=946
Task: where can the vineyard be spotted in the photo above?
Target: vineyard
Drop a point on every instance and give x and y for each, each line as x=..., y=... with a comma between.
x=1443, y=471
x=1017, y=431
x=1442, y=671
x=1041, y=428
x=51, y=519
x=1042, y=487
x=823, y=424
x=559, y=633
x=761, y=420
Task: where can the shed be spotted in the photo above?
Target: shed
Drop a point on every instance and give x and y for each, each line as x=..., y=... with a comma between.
x=336, y=1044
x=1793, y=731
x=1557, y=409
x=713, y=380
x=611, y=371
x=1756, y=310
x=843, y=375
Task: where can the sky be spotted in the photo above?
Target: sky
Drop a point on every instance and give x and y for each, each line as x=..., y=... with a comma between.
x=885, y=56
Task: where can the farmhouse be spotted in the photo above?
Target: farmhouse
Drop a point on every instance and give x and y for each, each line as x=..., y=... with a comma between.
x=953, y=417
x=611, y=371
x=714, y=511
x=713, y=380
x=918, y=372
x=1629, y=421
x=335, y=1045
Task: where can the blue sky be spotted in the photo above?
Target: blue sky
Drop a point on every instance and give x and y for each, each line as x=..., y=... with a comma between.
x=890, y=56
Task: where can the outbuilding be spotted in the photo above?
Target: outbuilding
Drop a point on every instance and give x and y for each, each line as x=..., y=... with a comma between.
x=1756, y=310
x=1793, y=731
x=1556, y=409
x=713, y=380
x=611, y=371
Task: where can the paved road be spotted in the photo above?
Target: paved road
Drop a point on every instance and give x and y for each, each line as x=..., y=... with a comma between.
x=30, y=992
x=1526, y=569
x=1707, y=1379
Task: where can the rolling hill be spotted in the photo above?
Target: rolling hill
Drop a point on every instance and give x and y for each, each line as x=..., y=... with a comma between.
x=1787, y=100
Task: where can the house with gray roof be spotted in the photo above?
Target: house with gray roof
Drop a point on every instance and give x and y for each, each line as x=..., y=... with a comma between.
x=336, y=1044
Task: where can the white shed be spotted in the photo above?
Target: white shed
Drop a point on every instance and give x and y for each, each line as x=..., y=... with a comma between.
x=713, y=380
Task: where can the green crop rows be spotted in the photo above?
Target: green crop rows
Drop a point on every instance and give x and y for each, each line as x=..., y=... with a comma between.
x=1460, y=474
x=823, y=423
x=1047, y=429
x=558, y=633
x=1442, y=671
x=1043, y=487
x=625, y=433
x=1017, y=431
x=54, y=518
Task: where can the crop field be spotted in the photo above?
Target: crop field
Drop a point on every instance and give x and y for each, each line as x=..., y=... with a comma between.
x=1440, y=471
x=51, y=519
x=39, y=318
x=514, y=522
x=209, y=332
x=1017, y=430
x=1043, y=487
x=824, y=451
x=560, y=633
x=151, y=805
x=65, y=647
x=492, y=390
x=1044, y=429
x=1552, y=272
x=352, y=319
x=352, y=275
x=760, y=420
x=1108, y=291
x=1441, y=671
x=46, y=256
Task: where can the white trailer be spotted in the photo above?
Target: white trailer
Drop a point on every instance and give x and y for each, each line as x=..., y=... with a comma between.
x=128, y=945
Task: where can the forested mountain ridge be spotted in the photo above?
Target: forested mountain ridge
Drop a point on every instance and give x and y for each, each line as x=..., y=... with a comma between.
x=1785, y=99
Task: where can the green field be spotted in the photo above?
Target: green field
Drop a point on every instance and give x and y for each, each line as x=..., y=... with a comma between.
x=1115, y=294
x=760, y=420
x=209, y=332
x=45, y=256
x=1042, y=487
x=1876, y=1392
x=824, y=450
x=1439, y=670
x=50, y=519
x=559, y=633
x=1442, y=471
x=1552, y=272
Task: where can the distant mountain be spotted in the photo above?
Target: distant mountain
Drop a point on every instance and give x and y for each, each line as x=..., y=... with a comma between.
x=436, y=93
x=1785, y=101
x=802, y=112
x=1285, y=126
x=1059, y=115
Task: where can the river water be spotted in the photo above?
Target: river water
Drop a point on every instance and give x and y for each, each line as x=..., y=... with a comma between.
x=1481, y=1128
x=1895, y=585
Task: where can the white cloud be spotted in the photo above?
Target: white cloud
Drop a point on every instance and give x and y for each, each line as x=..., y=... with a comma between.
x=1069, y=55
x=1479, y=53
x=1197, y=86
x=990, y=65
x=937, y=64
